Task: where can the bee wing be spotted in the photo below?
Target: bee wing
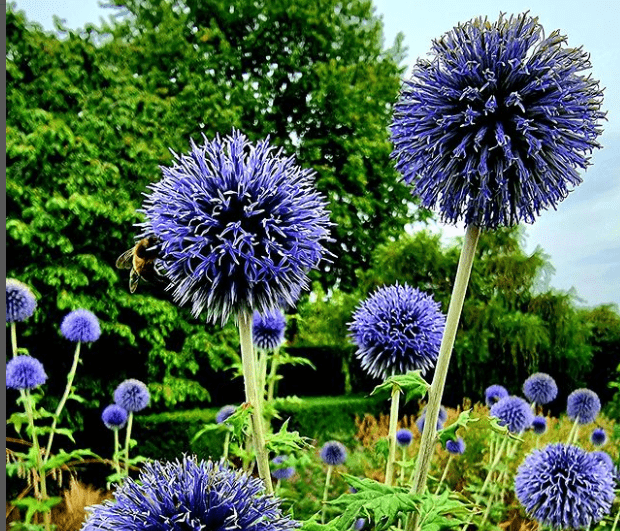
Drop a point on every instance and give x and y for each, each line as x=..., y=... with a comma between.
x=134, y=278
x=125, y=260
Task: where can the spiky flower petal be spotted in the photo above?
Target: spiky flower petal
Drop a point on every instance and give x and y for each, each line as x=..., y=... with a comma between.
x=280, y=470
x=20, y=301
x=189, y=495
x=268, y=329
x=492, y=128
x=514, y=413
x=456, y=447
x=539, y=425
x=397, y=329
x=80, y=325
x=598, y=437
x=241, y=225
x=583, y=405
x=333, y=453
x=494, y=393
x=404, y=437
x=24, y=372
x=132, y=394
x=114, y=417
x=540, y=388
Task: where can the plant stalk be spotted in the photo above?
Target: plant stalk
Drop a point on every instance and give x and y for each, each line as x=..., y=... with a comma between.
x=328, y=478
x=14, y=338
x=574, y=432
x=275, y=358
x=127, y=439
x=445, y=473
x=389, y=469
x=117, y=464
x=226, y=445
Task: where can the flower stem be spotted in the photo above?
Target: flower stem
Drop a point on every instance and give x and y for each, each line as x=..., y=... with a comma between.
x=226, y=444
x=494, y=464
x=63, y=400
x=445, y=473
x=275, y=358
x=14, y=338
x=389, y=469
x=328, y=478
x=574, y=432
x=401, y=481
x=427, y=445
x=117, y=464
x=613, y=527
x=252, y=396
x=127, y=439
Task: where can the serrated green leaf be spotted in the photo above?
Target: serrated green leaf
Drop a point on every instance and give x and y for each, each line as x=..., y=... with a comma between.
x=411, y=384
x=494, y=422
x=206, y=429
x=285, y=441
x=17, y=419
x=239, y=421
x=449, y=433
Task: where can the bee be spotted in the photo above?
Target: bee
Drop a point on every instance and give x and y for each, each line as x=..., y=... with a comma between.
x=141, y=260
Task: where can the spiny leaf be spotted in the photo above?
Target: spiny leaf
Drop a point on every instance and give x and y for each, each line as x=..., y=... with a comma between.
x=449, y=433
x=285, y=441
x=412, y=384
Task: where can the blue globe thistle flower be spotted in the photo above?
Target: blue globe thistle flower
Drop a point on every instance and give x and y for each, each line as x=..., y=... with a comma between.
x=114, y=417
x=514, y=413
x=583, y=405
x=333, y=453
x=359, y=524
x=492, y=128
x=456, y=447
x=189, y=494
x=539, y=425
x=80, y=325
x=441, y=419
x=404, y=437
x=268, y=329
x=397, y=329
x=494, y=393
x=606, y=459
x=24, y=372
x=279, y=471
x=240, y=225
x=540, y=388
x=20, y=301
x=132, y=395
x=223, y=414
x=564, y=487
x=598, y=437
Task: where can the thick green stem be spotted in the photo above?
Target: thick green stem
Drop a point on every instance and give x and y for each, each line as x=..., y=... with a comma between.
x=252, y=396
x=389, y=469
x=14, y=338
x=427, y=445
x=63, y=400
x=117, y=464
x=328, y=478
x=127, y=439
x=262, y=372
x=226, y=444
x=574, y=432
x=275, y=358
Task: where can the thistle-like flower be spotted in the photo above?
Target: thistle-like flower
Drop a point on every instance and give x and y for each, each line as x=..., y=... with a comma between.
x=564, y=487
x=441, y=419
x=494, y=393
x=397, y=329
x=514, y=413
x=132, y=395
x=280, y=470
x=456, y=447
x=268, y=329
x=598, y=437
x=583, y=405
x=24, y=372
x=333, y=453
x=223, y=414
x=540, y=388
x=539, y=425
x=114, y=417
x=80, y=325
x=20, y=301
x=492, y=128
x=189, y=494
x=240, y=225
x=404, y=437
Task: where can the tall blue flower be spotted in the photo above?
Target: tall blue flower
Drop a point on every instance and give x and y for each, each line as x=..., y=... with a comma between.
x=189, y=495
x=114, y=417
x=404, y=437
x=24, y=372
x=333, y=453
x=456, y=447
x=598, y=437
x=583, y=405
x=80, y=325
x=539, y=425
x=268, y=329
x=494, y=393
x=240, y=225
x=396, y=330
x=564, y=487
x=20, y=301
x=223, y=414
x=540, y=388
x=132, y=395
x=492, y=128
x=514, y=413
x=281, y=470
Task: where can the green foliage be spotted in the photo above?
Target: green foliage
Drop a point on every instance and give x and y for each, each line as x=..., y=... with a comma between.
x=449, y=433
x=411, y=384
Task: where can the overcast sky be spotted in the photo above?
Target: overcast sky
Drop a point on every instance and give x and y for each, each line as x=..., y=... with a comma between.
x=582, y=237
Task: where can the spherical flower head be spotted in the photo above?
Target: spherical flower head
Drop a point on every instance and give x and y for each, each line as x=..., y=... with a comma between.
x=189, y=494
x=583, y=405
x=598, y=437
x=540, y=388
x=132, y=395
x=359, y=524
x=333, y=453
x=564, y=487
x=404, y=437
x=24, y=372
x=514, y=413
x=20, y=301
x=80, y=326
x=223, y=414
x=268, y=329
x=441, y=419
x=397, y=329
x=240, y=225
x=114, y=417
x=539, y=425
x=494, y=393
x=456, y=447
x=492, y=128
x=280, y=470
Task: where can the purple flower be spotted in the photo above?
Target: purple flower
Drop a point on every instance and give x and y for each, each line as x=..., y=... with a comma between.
x=20, y=301
x=280, y=471
x=359, y=524
x=583, y=406
x=441, y=419
x=397, y=329
x=494, y=393
x=564, y=487
x=540, y=388
x=189, y=494
x=268, y=329
x=114, y=417
x=514, y=413
x=456, y=447
x=404, y=437
x=224, y=413
x=24, y=372
x=492, y=128
x=80, y=325
x=333, y=453
x=241, y=225
x=598, y=437
x=539, y=425
x=132, y=395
